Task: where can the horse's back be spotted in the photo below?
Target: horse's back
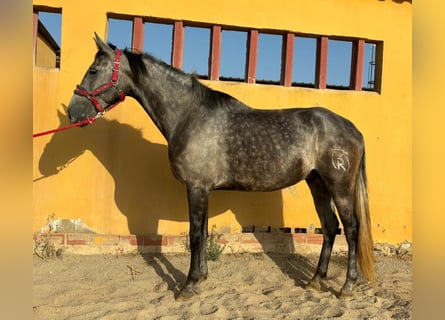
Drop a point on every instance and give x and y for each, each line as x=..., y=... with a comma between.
x=272, y=149
x=292, y=125
x=238, y=147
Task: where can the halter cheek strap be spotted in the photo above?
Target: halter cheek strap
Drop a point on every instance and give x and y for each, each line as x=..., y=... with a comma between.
x=114, y=82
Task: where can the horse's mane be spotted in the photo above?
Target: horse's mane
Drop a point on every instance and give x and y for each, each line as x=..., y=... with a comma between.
x=137, y=65
x=139, y=70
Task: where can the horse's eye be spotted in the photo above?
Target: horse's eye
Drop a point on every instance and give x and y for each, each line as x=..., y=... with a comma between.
x=92, y=71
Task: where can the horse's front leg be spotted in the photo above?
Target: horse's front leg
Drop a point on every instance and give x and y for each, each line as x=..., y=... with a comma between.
x=198, y=204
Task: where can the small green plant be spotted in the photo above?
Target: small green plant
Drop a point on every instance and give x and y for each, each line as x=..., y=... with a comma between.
x=214, y=249
x=43, y=247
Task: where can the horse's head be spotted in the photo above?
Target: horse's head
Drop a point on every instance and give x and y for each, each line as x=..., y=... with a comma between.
x=101, y=87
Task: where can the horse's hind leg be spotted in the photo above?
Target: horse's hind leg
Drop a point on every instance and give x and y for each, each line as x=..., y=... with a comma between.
x=345, y=206
x=329, y=224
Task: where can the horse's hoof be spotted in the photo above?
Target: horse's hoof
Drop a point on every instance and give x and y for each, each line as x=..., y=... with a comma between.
x=184, y=295
x=346, y=295
x=313, y=284
x=187, y=292
x=197, y=289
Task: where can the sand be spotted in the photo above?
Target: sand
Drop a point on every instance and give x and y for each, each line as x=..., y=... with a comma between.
x=240, y=286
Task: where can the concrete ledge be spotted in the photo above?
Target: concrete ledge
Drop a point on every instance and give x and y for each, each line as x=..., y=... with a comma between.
x=91, y=243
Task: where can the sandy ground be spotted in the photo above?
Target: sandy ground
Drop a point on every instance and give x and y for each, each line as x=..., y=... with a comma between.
x=241, y=286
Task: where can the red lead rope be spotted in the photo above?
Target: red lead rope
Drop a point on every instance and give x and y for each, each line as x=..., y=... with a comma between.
x=77, y=124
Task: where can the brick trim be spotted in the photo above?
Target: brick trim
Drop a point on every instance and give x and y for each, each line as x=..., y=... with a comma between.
x=85, y=243
x=178, y=44
x=138, y=34
x=358, y=54
x=215, y=53
x=287, y=59
x=322, y=63
x=252, y=56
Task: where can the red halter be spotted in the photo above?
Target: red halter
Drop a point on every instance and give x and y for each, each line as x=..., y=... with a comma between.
x=92, y=97
x=113, y=83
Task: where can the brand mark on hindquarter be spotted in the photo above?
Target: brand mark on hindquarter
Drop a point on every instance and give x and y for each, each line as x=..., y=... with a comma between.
x=340, y=159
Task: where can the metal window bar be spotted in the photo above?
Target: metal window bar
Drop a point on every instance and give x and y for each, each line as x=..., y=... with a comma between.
x=371, y=68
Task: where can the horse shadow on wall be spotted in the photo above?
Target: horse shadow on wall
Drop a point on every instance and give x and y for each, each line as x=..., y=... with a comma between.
x=145, y=190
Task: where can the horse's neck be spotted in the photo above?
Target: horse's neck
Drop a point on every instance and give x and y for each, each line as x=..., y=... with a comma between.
x=166, y=95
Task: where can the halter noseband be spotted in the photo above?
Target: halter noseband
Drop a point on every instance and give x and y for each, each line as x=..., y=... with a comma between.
x=114, y=82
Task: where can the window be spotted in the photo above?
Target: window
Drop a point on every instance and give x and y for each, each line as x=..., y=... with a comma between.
x=216, y=52
x=158, y=40
x=120, y=32
x=269, y=58
x=47, y=41
x=233, y=55
x=339, y=64
x=196, y=51
x=304, y=62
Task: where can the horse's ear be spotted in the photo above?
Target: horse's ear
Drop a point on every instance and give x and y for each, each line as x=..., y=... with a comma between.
x=63, y=115
x=101, y=45
x=60, y=114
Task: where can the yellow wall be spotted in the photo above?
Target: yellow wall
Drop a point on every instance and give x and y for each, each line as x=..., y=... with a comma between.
x=116, y=175
x=45, y=55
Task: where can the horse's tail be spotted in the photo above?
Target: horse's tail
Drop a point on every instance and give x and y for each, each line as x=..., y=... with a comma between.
x=365, y=248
